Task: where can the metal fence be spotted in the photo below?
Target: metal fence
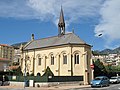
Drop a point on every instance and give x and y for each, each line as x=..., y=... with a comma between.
x=65, y=78
x=45, y=78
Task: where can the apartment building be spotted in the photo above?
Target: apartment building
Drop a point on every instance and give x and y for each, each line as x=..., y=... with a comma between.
x=6, y=56
x=113, y=59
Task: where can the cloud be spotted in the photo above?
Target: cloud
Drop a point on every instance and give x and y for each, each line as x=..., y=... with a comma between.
x=109, y=24
x=15, y=9
x=48, y=10
x=73, y=9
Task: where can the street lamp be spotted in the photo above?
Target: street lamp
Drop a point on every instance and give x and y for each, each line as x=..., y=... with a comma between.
x=25, y=73
x=24, y=70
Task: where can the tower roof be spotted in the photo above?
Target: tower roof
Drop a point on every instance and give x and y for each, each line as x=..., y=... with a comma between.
x=61, y=19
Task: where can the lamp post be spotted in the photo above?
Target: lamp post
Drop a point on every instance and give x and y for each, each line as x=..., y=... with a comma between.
x=25, y=73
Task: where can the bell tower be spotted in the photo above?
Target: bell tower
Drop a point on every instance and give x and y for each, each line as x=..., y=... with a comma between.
x=61, y=24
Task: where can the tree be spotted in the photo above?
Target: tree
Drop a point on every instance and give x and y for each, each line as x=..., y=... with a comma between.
x=48, y=72
x=99, y=68
x=17, y=71
x=112, y=70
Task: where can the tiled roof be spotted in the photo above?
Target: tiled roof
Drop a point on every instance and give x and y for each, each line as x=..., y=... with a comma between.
x=4, y=59
x=69, y=38
x=5, y=45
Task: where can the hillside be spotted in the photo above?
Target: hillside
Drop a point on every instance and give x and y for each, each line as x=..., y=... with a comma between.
x=108, y=51
x=17, y=45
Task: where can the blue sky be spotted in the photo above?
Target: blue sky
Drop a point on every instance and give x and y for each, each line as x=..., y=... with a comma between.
x=89, y=18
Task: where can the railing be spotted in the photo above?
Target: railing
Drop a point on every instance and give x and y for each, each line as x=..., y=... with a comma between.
x=46, y=79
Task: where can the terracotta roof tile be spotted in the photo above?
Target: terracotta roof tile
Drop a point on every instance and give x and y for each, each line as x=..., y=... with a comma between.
x=4, y=59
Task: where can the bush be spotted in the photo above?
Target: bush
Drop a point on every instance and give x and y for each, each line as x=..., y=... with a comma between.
x=48, y=72
x=17, y=71
x=32, y=74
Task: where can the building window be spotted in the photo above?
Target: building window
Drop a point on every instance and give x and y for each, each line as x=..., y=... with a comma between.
x=76, y=58
x=64, y=59
x=39, y=61
x=38, y=74
x=52, y=60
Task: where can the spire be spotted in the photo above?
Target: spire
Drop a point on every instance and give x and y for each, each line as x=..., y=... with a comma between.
x=61, y=24
x=61, y=19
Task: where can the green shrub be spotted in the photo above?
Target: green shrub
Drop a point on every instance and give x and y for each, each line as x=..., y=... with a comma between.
x=48, y=72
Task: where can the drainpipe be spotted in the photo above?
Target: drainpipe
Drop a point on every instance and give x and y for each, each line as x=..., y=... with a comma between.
x=34, y=62
x=45, y=62
x=58, y=65
x=86, y=69
x=71, y=62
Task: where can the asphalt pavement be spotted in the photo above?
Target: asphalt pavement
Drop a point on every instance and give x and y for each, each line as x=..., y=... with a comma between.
x=58, y=87
x=63, y=87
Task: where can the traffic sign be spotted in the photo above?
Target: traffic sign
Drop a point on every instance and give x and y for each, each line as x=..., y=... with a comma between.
x=92, y=66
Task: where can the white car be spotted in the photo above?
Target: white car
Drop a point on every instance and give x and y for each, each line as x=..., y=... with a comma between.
x=114, y=79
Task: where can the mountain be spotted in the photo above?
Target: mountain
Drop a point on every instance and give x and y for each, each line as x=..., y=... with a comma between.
x=17, y=45
x=116, y=50
x=108, y=51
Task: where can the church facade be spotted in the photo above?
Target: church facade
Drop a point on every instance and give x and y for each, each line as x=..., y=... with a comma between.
x=65, y=54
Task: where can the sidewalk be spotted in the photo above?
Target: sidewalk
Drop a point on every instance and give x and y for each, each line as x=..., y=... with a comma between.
x=59, y=87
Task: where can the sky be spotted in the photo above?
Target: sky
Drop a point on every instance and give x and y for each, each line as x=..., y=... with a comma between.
x=88, y=18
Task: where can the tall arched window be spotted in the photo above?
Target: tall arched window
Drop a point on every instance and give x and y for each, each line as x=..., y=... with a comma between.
x=52, y=59
x=39, y=61
x=64, y=59
x=76, y=58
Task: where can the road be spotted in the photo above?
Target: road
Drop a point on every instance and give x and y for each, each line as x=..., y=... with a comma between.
x=111, y=87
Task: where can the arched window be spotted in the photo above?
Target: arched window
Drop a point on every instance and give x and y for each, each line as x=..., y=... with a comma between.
x=38, y=74
x=76, y=58
x=39, y=61
x=64, y=59
x=52, y=59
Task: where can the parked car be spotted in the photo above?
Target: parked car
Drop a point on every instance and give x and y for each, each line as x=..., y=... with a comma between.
x=118, y=77
x=115, y=79
x=100, y=81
